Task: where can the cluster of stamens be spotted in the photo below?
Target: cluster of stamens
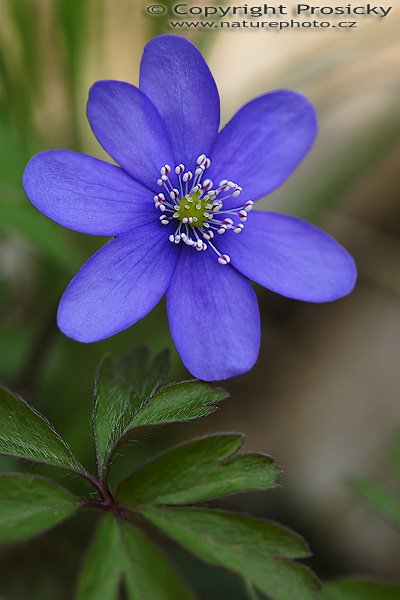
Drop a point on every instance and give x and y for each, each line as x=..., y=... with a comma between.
x=198, y=207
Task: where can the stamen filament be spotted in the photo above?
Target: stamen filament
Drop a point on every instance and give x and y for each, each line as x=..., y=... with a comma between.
x=198, y=207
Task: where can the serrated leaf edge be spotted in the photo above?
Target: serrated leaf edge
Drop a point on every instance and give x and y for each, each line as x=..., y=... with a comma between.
x=291, y=561
x=78, y=467
x=102, y=465
x=235, y=454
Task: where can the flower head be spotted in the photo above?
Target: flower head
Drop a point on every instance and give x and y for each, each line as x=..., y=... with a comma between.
x=179, y=207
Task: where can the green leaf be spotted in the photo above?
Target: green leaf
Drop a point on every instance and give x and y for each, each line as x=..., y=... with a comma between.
x=359, y=590
x=378, y=497
x=121, y=387
x=201, y=469
x=24, y=433
x=179, y=402
x=148, y=574
x=30, y=504
x=258, y=551
x=120, y=552
x=102, y=570
x=127, y=396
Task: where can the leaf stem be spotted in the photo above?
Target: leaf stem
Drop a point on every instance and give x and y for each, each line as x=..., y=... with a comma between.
x=97, y=504
x=100, y=487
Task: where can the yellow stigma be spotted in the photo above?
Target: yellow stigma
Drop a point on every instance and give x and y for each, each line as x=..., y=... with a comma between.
x=192, y=209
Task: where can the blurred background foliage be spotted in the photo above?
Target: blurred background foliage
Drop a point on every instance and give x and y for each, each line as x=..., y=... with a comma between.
x=324, y=396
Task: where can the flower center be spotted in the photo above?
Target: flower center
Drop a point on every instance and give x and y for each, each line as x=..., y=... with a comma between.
x=196, y=206
x=193, y=210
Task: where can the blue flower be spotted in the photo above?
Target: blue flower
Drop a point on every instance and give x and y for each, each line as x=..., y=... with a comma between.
x=179, y=209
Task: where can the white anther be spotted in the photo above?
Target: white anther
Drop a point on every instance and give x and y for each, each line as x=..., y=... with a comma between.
x=199, y=171
x=228, y=223
x=188, y=176
x=179, y=169
x=207, y=202
x=165, y=170
x=224, y=259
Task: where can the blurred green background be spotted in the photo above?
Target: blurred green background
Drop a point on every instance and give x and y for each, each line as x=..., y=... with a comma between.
x=323, y=398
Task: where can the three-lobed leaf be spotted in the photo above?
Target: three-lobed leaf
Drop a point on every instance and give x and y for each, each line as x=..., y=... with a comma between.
x=24, y=433
x=198, y=470
x=359, y=589
x=260, y=552
x=128, y=396
x=122, y=553
x=122, y=386
x=30, y=505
